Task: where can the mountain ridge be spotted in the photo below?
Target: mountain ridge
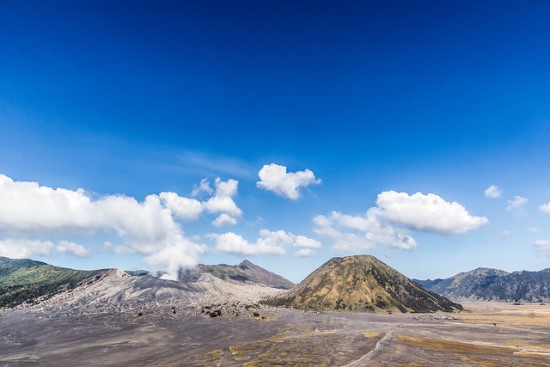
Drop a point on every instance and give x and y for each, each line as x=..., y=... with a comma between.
x=246, y=272
x=493, y=284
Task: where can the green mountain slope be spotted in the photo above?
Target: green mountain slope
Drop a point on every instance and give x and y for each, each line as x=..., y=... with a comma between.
x=28, y=280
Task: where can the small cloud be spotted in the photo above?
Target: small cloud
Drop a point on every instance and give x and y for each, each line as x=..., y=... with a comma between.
x=493, y=192
x=427, y=212
x=517, y=203
x=222, y=201
x=181, y=207
x=224, y=220
x=305, y=252
x=22, y=248
x=543, y=245
x=275, y=178
x=545, y=208
x=505, y=234
x=72, y=248
x=203, y=187
x=532, y=230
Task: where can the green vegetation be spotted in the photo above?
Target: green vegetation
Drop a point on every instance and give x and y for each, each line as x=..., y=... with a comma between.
x=27, y=280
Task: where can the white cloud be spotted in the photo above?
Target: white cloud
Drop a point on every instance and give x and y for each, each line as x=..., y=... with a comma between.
x=22, y=248
x=182, y=207
x=362, y=232
x=427, y=212
x=147, y=227
x=517, y=203
x=545, y=208
x=224, y=220
x=302, y=241
x=493, y=192
x=532, y=230
x=275, y=178
x=268, y=243
x=305, y=252
x=389, y=222
x=505, y=234
x=543, y=245
x=203, y=187
x=72, y=248
x=222, y=201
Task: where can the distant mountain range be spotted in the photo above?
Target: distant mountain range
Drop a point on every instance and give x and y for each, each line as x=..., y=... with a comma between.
x=361, y=283
x=246, y=272
x=493, y=284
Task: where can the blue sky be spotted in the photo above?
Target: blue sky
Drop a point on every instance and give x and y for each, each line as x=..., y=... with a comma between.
x=130, y=99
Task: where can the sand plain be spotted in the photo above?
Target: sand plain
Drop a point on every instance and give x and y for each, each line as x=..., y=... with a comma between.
x=485, y=334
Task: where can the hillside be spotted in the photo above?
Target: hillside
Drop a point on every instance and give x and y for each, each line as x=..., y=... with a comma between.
x=28, y=280
x=246, y=272
x=362, y=283
x=493, y=284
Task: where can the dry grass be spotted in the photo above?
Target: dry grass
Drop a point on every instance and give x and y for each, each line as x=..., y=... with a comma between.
x=448, y=346
x=507, y=314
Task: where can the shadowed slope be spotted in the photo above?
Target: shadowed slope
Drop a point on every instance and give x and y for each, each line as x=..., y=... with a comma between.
x=246, y=272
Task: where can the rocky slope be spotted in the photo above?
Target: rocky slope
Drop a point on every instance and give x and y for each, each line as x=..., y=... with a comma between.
x=493, y=284
x=361, y=283
x=115, y=291
x=34, y=285
x=246, y=272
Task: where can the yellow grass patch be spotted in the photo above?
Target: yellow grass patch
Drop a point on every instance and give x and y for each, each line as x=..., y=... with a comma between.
x=370, y=334
x=449, y=346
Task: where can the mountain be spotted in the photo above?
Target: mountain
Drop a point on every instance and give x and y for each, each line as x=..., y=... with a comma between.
x=28, y=280
x=29, y=283
x=246, y=272
x=361, y=283
x=114, y=290
x=493, y=284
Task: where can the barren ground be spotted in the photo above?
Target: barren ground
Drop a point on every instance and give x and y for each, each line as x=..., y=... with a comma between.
x=486, y=334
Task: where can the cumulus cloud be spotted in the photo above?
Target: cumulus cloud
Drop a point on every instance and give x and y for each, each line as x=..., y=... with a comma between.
x=517, y=203
x=222, y=202
x=545, y=208
x=224, y=220
x=182, y=207
x=275, y=178
x=543, y=245
x=427, y=212
x=493, y=192
x=268, y=243
x=22, y=248
x=532, y=230
x=389, y=222
x=72, y=248
x=148, y=227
